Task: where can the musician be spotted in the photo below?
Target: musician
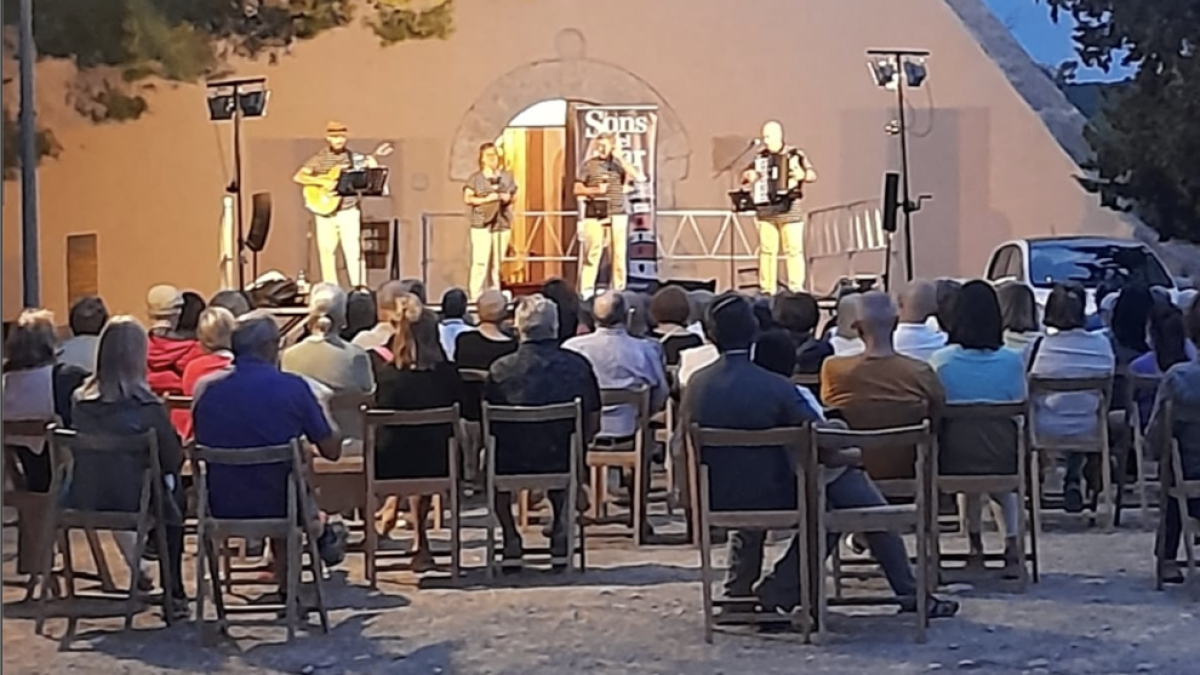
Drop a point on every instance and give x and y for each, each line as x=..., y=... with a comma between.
x=602, y=181
x=489, y=192
x=781, y=222
x=344, y=225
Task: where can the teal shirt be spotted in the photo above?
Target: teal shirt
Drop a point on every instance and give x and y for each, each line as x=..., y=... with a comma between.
x=979, y=375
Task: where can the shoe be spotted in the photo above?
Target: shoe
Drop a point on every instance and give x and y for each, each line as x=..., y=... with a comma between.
x=1170, y=572
x=1073, y=500
x=937, y=608
x=422, y=561
x=332, y=543
x=1014, y=567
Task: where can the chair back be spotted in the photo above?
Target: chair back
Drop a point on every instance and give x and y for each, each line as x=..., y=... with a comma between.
x=810, y=380
x=638, y=398
x=178, y=402
x=751, y=469
x=374, y=419
x=571, y=413
x=87, y=469
x=919, y=437
x=291, y=454
x=982, y=438
x=1041, y=387
x=473, y=375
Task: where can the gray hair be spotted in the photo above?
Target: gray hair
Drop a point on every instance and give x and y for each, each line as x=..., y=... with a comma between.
x=257, y=336
x=326, y=309
x=610, y=309
x=537, y=318
x=120, y=364
x=847, y=314
x=215, y=328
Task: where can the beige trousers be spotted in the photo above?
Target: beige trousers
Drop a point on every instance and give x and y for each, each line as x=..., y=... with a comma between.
x=592, y=235
x=770, y=235
x=488, y=248
x=342, y=227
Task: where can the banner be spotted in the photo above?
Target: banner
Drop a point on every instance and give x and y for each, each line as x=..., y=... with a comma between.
x=636, y=130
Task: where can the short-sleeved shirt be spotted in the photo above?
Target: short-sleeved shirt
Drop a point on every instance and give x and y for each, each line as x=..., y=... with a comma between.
x=483, y=186
x=323, y=162
x=796, y=213
x=597, y=170
x=250, y=406
x=537, y=374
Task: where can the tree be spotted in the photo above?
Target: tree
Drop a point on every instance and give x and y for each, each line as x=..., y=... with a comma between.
x=1146, y=139
x=119, y=45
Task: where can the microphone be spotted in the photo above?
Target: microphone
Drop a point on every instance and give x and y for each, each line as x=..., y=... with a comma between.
x=754, y=143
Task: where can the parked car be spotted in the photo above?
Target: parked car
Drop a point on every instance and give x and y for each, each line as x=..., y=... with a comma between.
x=1042, y=262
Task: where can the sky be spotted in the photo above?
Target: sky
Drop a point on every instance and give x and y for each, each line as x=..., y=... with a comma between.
x=1046, y=42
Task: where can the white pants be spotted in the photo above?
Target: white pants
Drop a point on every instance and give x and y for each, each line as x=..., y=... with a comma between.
x=770, y=235
x=342, y=227
x=488, y=248
x=592, y=235
x=971, y=506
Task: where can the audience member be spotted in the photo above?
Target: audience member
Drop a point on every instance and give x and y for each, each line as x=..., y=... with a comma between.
x=1069, y=351
x=1105, y=297
x=189, y=314
x=478, y=350
x=169, y=351
x=763, y=317
x=880, y=389
x=418, y=378
x=88, y=316
x=1130, y=322
x=947, y=296
x=1181, y=388
x=566, y=299
x=381, y=335
x=414, y=287
x=361, y=312
x=620, y=361
x=670, y=309
x=1019, y=317
x=1169, y=343
x=214, y=333
x=775, y=350
x=699, y=301
x=454, y=319
x=117, y=401
x=798, y=314
x=977, y=368
x=255, y=405
x=35, y=388
x=914, y=336
x=237, y=302
x=845, y=340
x=539, y=373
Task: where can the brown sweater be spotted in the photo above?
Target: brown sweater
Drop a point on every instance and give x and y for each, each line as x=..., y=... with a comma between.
x=881, y=393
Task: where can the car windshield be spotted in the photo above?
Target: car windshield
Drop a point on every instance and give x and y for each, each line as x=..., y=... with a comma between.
x=1092, y=264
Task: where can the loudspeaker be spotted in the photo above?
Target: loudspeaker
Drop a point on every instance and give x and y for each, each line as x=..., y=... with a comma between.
x=260, y=221
x=891, y=200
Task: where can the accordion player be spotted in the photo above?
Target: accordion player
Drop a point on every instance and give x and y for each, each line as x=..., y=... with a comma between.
x=779, y=181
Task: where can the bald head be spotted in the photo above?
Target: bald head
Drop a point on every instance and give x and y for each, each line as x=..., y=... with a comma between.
x=918, y=301
x=610, y=309
x=877, y=318
x=772, y=136
x=847, y=315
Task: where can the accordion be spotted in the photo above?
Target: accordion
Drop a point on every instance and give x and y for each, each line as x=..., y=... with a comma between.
x=772, y=192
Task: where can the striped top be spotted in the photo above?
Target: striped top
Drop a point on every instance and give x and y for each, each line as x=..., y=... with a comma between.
x=483, y=186
x=597, y=170
x=323, y=162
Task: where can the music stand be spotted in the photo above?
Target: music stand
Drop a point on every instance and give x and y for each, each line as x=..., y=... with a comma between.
x=741, y=202
x=369, y=182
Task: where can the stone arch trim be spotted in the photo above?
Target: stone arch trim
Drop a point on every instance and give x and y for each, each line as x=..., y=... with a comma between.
x=579, y=80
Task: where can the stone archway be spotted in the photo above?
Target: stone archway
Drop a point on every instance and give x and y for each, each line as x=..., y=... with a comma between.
x=573, y=77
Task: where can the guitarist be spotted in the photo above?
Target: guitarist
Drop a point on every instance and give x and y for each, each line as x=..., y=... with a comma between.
x=344, y=224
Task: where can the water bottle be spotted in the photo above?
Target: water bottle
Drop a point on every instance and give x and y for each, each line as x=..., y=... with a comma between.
x=301, y=284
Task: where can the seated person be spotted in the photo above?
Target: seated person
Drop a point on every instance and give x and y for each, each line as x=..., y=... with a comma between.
x=254, y=405
x=798, y=314
x=88, y=316
x=117, y=401
x=454, y=319
x=977, y=368
x=880, y=389
x=170, y=349
x=669, y=309
x=845, y=340
x=213, y=332
x=478, y=350
x=915, y=336
x=1168, y=339
x=418, y=378
x=539, y=373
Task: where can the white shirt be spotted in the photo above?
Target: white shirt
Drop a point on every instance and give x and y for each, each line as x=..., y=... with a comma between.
x=450, y=330
x=622, y=361
x=1070, y=354
x=918, y=340
x=846, y=346
x=379, y=336
x=693, y=360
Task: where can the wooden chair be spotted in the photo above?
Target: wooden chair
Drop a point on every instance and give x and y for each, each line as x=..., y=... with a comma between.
x=1174, y=486
x=476, y=378
x=791, y=440
x=70, y=450
x=809, y=380
x=1136, y=385
x=629, y=456
x=984, y=484
x=290, y=528
x=567, y=480
x=1041, y=387
x=917, y=518
x=372, y=421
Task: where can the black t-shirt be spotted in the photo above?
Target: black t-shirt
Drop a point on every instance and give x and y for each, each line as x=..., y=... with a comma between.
x=475, y=351
x=414, y=452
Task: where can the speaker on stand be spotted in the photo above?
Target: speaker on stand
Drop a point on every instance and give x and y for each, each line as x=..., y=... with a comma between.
x=260, y=227
x=891, y=204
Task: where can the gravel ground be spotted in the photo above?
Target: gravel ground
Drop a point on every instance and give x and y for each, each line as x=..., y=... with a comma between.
x=1095, y=613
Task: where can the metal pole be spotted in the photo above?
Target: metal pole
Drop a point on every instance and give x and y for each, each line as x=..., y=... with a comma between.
x=237, y=187
x=907, y=203
x=30, y=257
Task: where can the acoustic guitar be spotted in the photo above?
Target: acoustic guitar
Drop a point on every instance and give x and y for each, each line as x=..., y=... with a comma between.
x=323, y=199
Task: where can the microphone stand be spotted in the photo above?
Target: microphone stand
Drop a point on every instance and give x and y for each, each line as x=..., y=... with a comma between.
x=728, y=168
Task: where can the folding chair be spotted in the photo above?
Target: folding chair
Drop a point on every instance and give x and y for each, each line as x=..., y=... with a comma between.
x=1136, y=386
x=1039, y=389
x=792, y=441
x=988, y=416
x=1175, y=486
x=627, y=455
x=567, y=480
x=917, y=517
x=71, y=450
x=380, y=487
x=290, y=527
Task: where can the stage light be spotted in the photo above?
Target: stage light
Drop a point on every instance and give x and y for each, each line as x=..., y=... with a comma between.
x=883, y=71
x=915, y=72
x=221, y=97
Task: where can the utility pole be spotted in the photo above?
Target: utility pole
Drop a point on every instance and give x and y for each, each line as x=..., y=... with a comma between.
x=30, y=261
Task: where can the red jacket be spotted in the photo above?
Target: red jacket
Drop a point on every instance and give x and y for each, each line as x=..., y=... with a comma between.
x=196, y=369
x=167, y=359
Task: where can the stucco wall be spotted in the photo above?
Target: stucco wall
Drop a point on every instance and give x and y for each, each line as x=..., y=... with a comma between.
x=152, y=189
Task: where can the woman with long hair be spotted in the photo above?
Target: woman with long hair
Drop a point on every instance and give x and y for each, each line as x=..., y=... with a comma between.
x=1018, y=316
x=117, y=401
x=1169, y=346
x=417, y=377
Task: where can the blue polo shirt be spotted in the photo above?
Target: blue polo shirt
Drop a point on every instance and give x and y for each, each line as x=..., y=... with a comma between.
x=252, y=406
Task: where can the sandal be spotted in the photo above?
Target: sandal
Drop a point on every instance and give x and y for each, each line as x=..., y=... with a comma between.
x=937, y=608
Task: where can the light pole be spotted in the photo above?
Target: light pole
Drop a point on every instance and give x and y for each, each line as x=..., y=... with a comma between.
x=233, y=100
x=27, y=121
x=895, y=69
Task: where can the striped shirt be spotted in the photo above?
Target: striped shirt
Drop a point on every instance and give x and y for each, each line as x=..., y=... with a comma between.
x=323, y=162
x=483, y=186
x=597, y=170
